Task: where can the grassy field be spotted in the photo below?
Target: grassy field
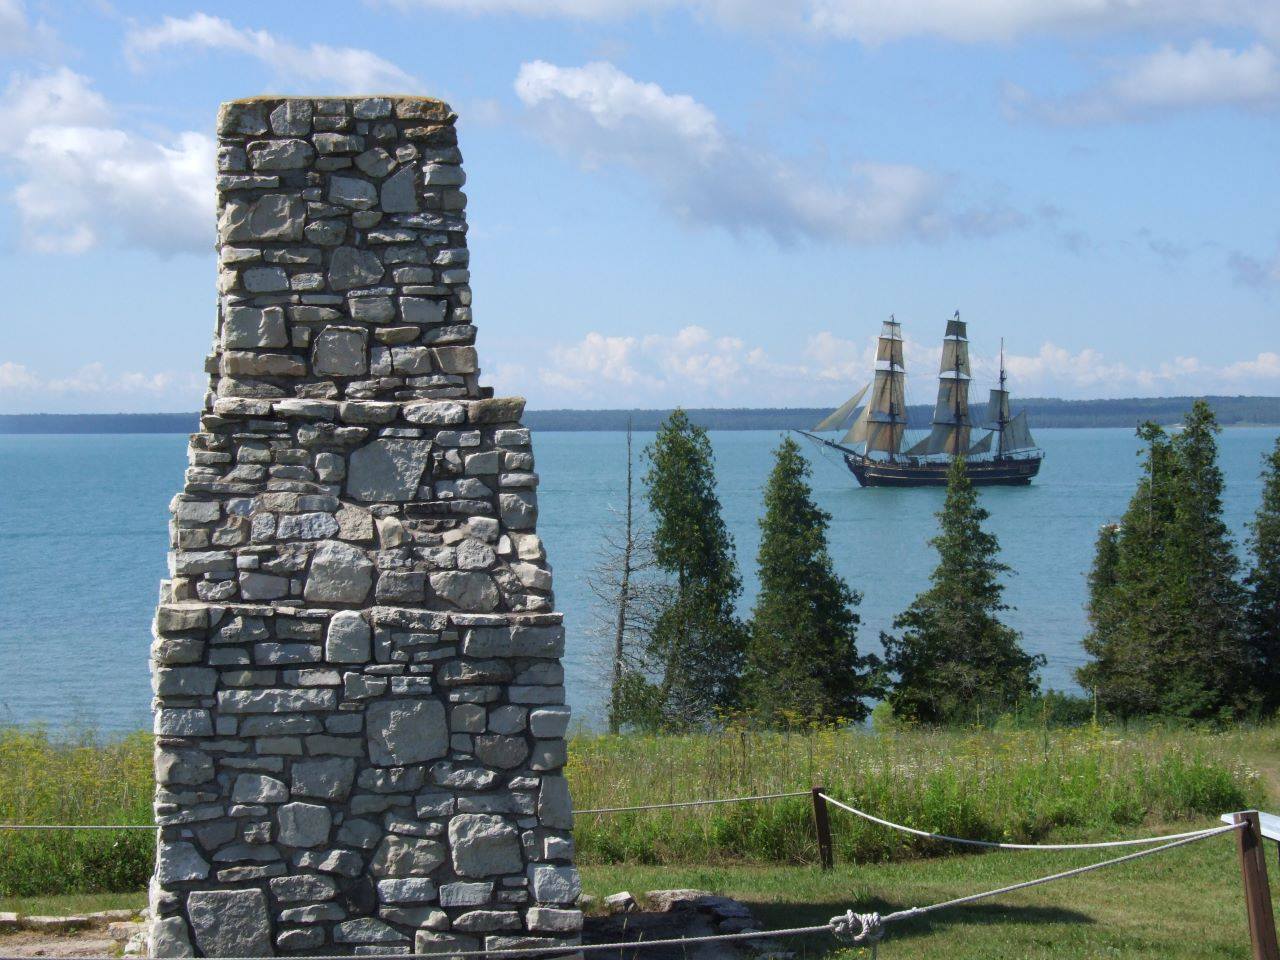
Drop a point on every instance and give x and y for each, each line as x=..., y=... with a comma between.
x=1017, y=785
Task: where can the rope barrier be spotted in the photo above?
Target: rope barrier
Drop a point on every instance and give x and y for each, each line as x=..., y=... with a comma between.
x=691, y=803
x=995, y=845
x=860, y=929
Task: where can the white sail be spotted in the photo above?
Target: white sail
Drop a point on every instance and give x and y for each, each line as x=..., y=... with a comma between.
x=842, y=413
x=982, y=446
x=997, y=409
x=858, y=432
x=889, y=350
x=951, y=421
x=1017, y=435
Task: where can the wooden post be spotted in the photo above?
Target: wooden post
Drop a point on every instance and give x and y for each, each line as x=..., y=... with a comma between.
x=1257, y=893
x=823, y=827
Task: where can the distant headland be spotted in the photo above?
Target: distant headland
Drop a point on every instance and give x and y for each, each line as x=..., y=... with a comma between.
x=1042, y=412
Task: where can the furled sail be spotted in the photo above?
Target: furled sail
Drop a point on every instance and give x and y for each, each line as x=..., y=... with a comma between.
x=951, y=421
x=841, y=414
x=1017, y=435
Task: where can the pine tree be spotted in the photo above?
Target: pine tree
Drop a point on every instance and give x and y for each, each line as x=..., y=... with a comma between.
x=697, y=643
x=802, y=658
x=955, y=660
x=1135, y=622
x=1206, y=670
x=1262, y=618
x=1170, y=641
x=1101, y=605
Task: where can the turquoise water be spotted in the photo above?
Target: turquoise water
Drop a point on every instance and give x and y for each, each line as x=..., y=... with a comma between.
x=82, y=549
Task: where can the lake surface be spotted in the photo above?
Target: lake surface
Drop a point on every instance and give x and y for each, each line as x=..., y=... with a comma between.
x=83, y=540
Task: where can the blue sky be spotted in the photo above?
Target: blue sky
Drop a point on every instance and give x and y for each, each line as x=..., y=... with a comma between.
x=709, y=202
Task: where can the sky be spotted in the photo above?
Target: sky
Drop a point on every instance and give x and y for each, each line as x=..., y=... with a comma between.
x=696, y=202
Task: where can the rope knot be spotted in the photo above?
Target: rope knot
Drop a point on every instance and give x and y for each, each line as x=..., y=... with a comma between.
x=860, y=929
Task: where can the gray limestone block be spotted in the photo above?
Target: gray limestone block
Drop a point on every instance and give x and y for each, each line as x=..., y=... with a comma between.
x=280, y=154
x=273, y=216
x=263, y=586
x=372, y=309
x=400, y=192
x=168, y=937
x=553, y=920
x=504, y=753
x=507, y=720
x=179, y=862
x=303, y=887
x=300, y=938
x=469, y=590
x=466, y=894
x=265, y=280
x=401, y=585
x=409, y=890
x=183, y=722
x=352, y=192
x=340, y=351
x=306, y=526
x=387, y=470
x=230, y=923
x=485, y=921
x=443, y=175
x=555, y=808
x=356, y=832
x=349, y=638
x=183, y=681
x=422, y=310
x=399, y=856
x=367, y=930
x=430, y=942
x=275, y=700
x=376, y=162
x=339, y=573
x=304, y=824
x=554, y=884
x=411, y=360
x=403, y=732
x=327, y=779
x=549, y=721
x=351, y=267
x=292, y=118
x=519, y=510
x=483, y=845
x=258, y=788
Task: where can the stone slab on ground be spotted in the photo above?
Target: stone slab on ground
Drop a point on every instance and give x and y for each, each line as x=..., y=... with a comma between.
x=676, y=914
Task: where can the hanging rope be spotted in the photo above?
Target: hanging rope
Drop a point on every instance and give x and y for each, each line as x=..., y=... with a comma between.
x=994, y=845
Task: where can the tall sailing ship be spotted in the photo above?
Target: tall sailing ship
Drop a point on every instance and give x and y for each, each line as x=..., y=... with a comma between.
x=872, y=445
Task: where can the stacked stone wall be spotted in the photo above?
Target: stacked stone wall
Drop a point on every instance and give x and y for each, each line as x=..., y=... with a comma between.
x=359, y=702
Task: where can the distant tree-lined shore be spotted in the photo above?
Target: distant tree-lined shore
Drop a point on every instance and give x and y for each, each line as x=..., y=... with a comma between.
x=1043, y=412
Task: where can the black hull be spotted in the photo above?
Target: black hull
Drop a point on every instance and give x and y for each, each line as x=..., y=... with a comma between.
x=1001, y=471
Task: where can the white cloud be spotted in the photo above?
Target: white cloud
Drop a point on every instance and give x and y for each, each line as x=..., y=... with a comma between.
x=877, y=21
x=602, y=117
x=84, y=182
x=697, y=367
x=94, y=386
x=1202, y=75
x=349, y=69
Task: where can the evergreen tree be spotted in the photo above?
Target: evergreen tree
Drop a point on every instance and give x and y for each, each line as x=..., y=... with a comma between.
x=1168, y=640
x=696, y=643
x=802, y=659
x=1206, y=668
x=955, y=660
x=1101, y=604
x=1262, y=619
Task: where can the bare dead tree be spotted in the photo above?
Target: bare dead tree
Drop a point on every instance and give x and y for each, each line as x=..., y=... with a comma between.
x=622, y=581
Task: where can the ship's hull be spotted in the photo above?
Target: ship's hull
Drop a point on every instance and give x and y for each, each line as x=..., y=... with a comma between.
x=999, y=471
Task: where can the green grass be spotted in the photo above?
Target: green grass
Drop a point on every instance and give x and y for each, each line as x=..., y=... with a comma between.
x=1021, y=786
x=1179, y=905
x=1015, y=785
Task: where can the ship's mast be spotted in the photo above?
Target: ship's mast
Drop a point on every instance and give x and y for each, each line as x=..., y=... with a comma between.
x=886, y=412
x=1001, y=419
